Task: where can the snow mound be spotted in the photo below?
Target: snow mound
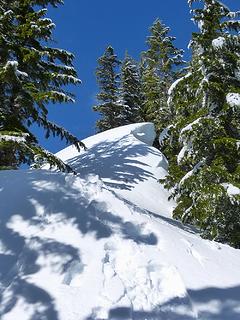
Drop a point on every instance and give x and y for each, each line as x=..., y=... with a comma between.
x=103, y=245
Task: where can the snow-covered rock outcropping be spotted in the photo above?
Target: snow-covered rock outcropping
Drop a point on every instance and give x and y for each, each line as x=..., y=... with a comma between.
x=103, y=245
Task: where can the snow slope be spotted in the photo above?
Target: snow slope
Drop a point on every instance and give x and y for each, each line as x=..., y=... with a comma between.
x=102, y=245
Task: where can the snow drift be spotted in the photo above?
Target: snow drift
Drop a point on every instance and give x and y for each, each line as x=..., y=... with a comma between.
x=103, y=245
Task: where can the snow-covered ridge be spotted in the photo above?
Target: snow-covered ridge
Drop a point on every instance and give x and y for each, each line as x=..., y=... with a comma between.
x=144, y=132
x=103, y=245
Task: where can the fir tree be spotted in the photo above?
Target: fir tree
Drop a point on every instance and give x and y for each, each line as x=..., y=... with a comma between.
x=161, y=62
x=32, y=75
x=152, y=94
x=204, y=153
x=130, y=92
x=109, y=106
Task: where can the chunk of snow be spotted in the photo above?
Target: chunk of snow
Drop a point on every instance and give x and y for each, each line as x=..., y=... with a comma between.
x=181, y=154
x=18, y=139
x=234, y=14
x=21, y=74
x=231, y=189
x=233, y=99
x=200, y=24
x=14, y=65
x=164, y=134
x=219, y=43
x=145, y=133
x=8, y=12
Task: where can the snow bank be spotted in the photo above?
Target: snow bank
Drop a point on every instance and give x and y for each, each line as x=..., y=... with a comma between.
x=125, y=160
x=145, y=133
x=103, y=245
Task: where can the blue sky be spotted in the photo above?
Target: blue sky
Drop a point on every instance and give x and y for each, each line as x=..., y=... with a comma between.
x=86, y=28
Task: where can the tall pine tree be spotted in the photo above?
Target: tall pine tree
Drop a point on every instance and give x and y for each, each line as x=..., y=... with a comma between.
x=204, y=151
x=161, y=62
x=109, y=106
x=130, y=92
x=32, y=74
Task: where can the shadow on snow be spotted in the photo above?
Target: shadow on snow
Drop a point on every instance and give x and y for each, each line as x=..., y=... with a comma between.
x=31, y=197
x=115, y=161
x=218, y=304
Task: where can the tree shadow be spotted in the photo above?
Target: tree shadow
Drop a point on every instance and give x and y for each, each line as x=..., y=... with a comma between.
x=216, y=304
x=32, y=295
x=116, y=161
x=29, y=198
x=226, y=302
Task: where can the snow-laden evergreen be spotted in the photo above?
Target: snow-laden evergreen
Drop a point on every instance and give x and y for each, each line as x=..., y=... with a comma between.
x=110, y=105
x=161, y=64
x=130, y=92
x=32, y=74
x=204, y=149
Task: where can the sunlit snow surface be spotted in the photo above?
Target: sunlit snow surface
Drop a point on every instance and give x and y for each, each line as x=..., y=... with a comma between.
x=102, y=245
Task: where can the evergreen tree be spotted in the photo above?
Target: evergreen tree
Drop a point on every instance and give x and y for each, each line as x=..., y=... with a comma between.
x=161, y=61
x=152, y=96
x=32, y=75
x=130, y=92
x=109, y=106
x=204, y=150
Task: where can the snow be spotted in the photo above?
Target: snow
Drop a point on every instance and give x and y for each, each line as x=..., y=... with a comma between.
x=164, y=135
x=200, y=24
x=237, y=74
x=187, y=148
x=103, y=245
x=175, y=84
x=190, y=125
x=18, y=139
x=231, y=189
x=62, y=95
x=233, y=14
x=187, y=144
x=191, y=172
x=233, y=99
x=14, y=65
x=223, y=5
x=219, y=43
x=8, y=12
